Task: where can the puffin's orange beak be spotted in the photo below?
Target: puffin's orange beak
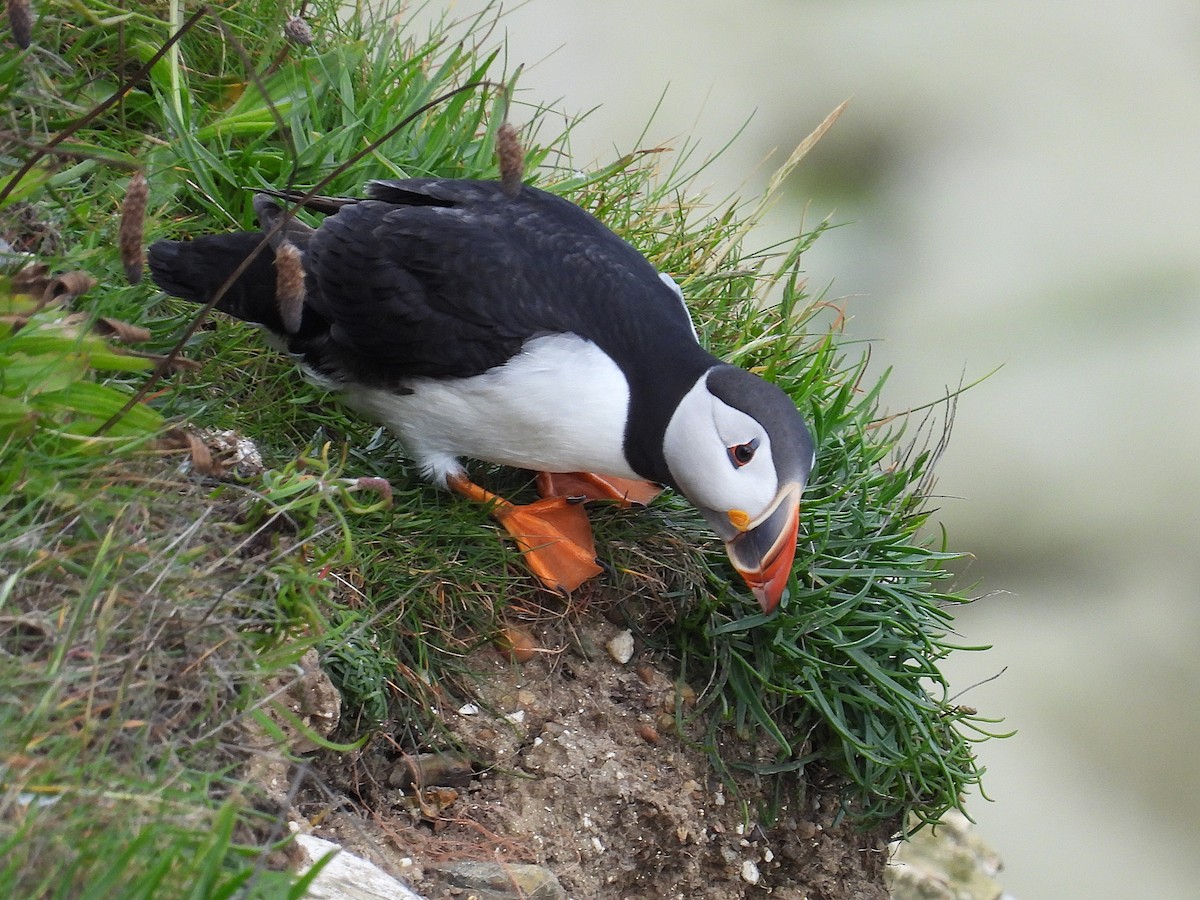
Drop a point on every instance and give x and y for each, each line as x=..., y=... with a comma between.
x=764, y=551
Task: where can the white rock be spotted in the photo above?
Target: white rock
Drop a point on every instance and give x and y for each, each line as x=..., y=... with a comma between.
x=620, y=647
x=750, y=873
x=346, y=877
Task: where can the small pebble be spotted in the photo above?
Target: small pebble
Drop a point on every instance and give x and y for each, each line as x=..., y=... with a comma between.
x=432, y=769
x=583, y=647
x=620, y=647
x=750, y=873
x=516, y=643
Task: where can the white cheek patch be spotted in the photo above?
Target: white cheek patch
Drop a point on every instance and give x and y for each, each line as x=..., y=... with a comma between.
x=696, y=445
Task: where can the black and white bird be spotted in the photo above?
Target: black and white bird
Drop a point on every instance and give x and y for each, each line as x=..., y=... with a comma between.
x=511, y=326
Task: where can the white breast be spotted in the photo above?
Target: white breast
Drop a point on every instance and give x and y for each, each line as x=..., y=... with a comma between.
x=558, y=406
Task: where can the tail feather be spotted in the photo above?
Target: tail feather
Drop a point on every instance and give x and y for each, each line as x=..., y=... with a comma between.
x=195, y=270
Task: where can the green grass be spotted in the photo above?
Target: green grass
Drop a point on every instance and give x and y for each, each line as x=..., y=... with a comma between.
x=133, y=637
x=142, y=611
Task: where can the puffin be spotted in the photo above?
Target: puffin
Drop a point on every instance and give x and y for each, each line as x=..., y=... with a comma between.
x=478, y=320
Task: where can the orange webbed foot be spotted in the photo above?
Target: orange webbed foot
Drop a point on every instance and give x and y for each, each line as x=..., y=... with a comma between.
x=590, y=486
x=554, y=535
x=556, y=538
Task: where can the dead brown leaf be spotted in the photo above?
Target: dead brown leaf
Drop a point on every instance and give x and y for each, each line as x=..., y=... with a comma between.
x=36, y=281
x=116, y=330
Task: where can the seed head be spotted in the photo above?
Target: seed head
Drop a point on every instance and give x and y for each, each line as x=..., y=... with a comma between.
x=511, y=156
x=20, y=21
x=298, y=31
x=289, y=285
x=131, y=232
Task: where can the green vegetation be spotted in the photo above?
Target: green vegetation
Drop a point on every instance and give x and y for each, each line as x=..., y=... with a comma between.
x=143, y=611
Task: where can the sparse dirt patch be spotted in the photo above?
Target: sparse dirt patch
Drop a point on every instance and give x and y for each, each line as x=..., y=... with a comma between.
x=575, y=769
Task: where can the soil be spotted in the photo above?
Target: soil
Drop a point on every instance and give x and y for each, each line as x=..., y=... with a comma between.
x=572, y=765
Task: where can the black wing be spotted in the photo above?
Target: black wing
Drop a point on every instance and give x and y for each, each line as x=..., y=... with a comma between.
x=449, y=278
x=441, y=278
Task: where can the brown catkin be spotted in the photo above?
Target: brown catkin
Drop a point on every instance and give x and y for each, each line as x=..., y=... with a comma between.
x=289, y=285
x=20, y=21
x=133, y=218
x=511, y=156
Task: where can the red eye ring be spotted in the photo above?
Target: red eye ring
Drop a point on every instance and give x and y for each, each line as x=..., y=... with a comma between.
x=741, y=454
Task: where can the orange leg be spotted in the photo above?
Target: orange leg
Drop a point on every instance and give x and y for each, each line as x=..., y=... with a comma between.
x=553, y=534
x=590, y=486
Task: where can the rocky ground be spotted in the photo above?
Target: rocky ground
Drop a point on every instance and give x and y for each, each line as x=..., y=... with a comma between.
x=573, y=786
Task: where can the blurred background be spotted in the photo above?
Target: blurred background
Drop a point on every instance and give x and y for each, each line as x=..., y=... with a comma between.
x=1019, y=187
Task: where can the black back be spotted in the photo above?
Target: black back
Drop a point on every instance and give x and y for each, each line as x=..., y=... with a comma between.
x=449, y=278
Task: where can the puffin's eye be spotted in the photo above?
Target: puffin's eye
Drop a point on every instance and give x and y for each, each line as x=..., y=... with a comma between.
x=741, y=454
